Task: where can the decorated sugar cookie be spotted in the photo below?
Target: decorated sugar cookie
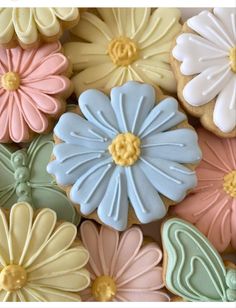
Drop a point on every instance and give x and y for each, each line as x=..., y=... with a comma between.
x=24, y=178
x=126, y=162
x=32, y=88
x=205, y=67
x=121, y=44
x=212, y=204
x=29, y=26
x=40, y=258
x=122, y=268
x=193, y=269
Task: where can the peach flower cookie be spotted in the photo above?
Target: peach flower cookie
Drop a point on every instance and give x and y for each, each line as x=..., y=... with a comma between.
x=121, y=266
x=193, y=269
x=40, y=258
x=121, y=44
x=33, y=88
x=204, y=61
x=129, y=159
x=29, y=26
x=212, y=204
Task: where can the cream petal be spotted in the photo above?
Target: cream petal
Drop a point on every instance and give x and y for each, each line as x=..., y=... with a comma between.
x=4, y=249
x=26, y=294
x=39, y=293
x=6, y=296
x=46, y=21
x=228, y=18
x=66, y=14
x=6, y=25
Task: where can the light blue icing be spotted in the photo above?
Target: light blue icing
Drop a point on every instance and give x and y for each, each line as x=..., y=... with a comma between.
x=84, y=162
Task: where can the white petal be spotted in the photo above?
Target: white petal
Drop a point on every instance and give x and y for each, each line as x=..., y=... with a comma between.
x=46, y=21
x=228, y=18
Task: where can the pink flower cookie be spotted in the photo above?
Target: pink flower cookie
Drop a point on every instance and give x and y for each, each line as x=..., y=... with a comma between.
x=32, y=85
x=121, y=267
x=212, y=205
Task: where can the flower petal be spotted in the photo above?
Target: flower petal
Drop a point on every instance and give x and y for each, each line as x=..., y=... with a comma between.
x=142, y=296
x=224, y=115
x=4, y=116
x=233, y=224
x=46, y=21
x=100, y=114
x=6, y=25
x=178, y=145
x=113, y=209
x=228, y=18
x=4, y=249
x=3, y=295
x=163, y=117
x=144, y=198
x=3, y=60
x=66, y=14
x=131, y=103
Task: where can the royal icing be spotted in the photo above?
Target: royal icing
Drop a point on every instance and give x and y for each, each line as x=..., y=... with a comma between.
x=121, y=268
x=27, y=23
x=39, y=258
x=194, y=270
x=210, y=55
x=124, y=44
x=86, y=158
x=24, y=178
x=212, y=205
x=30, y=80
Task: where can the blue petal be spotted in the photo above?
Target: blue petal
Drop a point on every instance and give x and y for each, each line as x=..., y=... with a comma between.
x=144, y=198
x=90, y=188
x=113, y=210
x=131, y=103
x=163, y=117
x=178, y=145
x=96, y=107
x=73, y=129
x=169, y=178
x=72, y=161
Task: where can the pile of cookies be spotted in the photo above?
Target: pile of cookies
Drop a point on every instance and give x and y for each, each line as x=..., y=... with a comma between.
x=131, y=120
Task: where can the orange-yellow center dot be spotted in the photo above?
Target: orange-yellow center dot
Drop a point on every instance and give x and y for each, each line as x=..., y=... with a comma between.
x=232, y=57
x=104, y=289
x=12, y=278
x=230, y=183
x=10, y=81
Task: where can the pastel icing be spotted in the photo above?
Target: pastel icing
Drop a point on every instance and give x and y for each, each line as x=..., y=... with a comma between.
x=85, y=158
x=212, y=204
x=31, y=83
x=210, y=55
x=39, y=258
x=27, y=24
x=194, y=270
x=121, y=261
x=117, y=45
x=24, y=178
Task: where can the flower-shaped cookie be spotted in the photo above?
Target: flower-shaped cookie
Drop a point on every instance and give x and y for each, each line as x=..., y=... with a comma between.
x=212, y=205
x=31, y=86
x=39, y=258
x=30, y=25
x=128, y=150
x=121, y=44
x=121, y=268
x=207, y=50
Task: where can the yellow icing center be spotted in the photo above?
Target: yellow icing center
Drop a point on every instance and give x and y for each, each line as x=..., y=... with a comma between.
x=12, y=278
x=10, y=81
x=103, y=289
x=230, y=183
x=232, y=57
x=125, y=149
x=123, y=51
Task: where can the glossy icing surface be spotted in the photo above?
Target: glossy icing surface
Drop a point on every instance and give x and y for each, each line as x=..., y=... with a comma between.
x=98, y=183
x=24, y=178
x=124, y=44
x=121, y=266
x=212, y=204
x=194, y=269
x=210, y=54
x=46, y=253
x=31, y=83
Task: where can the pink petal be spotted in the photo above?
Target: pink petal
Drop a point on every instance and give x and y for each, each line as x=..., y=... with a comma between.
x=86, y=295
x=16, y=58
x=3, y=61
x=233, y=224
x=4, y=119
x=49, y=85
x=142, y=296
x=130, y=243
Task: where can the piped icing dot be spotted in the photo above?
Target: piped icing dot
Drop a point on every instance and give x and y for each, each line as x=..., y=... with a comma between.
x=125, y=149
x=12, y=278
x=10, y=81
x=123, y=51
x=230, y=183
x=231, y=279
x=104, y=288
x=232, y=57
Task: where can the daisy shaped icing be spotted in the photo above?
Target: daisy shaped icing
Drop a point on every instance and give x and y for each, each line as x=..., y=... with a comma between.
x=122, y=268
x=212, y=205
x=207, y=50
x=122, y=44
x=29, y=25
x=39, y=258
x=32, y=85
x=128, y=150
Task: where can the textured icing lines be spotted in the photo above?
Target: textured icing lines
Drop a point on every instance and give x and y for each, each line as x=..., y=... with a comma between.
x=230, y=183
x=232, y=57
